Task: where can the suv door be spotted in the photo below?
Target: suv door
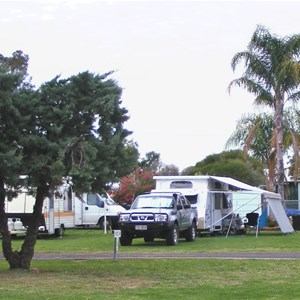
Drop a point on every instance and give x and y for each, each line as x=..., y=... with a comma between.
x=184, y=212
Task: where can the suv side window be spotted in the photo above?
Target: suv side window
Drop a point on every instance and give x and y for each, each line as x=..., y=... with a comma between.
x=184, y=202
x=179, y=201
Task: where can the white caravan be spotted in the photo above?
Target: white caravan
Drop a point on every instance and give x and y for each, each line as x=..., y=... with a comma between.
x=67, y=210
x=213, y=198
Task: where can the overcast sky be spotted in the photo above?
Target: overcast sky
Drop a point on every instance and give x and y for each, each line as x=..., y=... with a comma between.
x=172, y=59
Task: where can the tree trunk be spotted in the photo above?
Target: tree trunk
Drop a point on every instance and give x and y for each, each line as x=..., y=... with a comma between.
x=6, y=239
x=279, y=144
x=22, y=259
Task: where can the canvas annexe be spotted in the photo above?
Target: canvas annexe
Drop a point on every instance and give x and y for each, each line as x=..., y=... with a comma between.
x=218, y=198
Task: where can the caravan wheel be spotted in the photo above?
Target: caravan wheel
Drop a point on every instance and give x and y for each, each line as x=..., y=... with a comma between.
x=59, y=232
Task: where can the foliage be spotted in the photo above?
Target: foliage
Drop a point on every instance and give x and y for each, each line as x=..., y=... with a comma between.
x=168, y=170
x=188, y=171
x=151, y=161
x=292, y=121
x=81, y=118
x=231, y=164
x=14, y=121
x=255, y=135
x=137, y=182
x=68, y=127
x=272, y=75
x=141, y=179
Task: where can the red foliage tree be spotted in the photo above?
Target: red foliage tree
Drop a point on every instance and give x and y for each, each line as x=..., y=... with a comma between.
x=137, y=182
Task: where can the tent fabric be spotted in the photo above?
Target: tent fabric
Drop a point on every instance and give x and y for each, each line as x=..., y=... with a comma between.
x=245, y=186
x=280, y=215
x=273, y=199
x=235, y=183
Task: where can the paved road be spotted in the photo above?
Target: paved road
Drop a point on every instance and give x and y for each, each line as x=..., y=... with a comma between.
x=120, y=255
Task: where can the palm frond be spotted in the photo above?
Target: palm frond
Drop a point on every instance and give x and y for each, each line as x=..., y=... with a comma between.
x=256, y=68
x=263, y=95
x=238, y=57
x=289, y=74
x=294, y=97
x=250, y=137
x=293, y=45
x=260, y=38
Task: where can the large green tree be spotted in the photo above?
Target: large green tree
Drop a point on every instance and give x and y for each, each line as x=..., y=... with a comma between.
x=230, y=164
x=272, y=74
x=68, y=127
x=14, y=94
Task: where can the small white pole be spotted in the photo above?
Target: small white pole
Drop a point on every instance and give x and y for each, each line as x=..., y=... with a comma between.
x=117, y=235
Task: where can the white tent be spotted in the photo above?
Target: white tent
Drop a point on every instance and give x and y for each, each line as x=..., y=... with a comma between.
x=273, y=199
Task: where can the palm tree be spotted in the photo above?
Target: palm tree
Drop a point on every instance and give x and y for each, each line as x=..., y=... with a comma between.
x=272, y=74
x=255, y=134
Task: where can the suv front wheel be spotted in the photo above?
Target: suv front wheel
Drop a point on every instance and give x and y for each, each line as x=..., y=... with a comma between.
x=173, y=236
x=191, y=233
x=125, y=239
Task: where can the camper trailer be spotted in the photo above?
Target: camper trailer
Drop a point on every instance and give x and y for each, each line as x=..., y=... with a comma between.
x=211, y=197
x=215, y=197
x=64, y=210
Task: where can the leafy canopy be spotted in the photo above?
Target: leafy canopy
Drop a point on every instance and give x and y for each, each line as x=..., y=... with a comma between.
x=231, y=164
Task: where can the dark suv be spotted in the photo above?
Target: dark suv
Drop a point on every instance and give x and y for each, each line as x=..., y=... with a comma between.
x=165, y=215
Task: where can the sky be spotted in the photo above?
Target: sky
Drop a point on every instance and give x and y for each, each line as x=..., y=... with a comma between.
x=171, y=58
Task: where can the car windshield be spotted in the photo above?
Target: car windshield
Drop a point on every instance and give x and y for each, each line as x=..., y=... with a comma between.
x=107, y=199
x=154, y=201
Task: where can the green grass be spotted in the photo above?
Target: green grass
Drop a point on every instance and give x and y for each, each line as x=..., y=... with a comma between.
x=156, y=278
x=95, y=241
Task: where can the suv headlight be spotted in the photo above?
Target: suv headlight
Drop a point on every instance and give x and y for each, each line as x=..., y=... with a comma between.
x=124, y=217
x=161, y=217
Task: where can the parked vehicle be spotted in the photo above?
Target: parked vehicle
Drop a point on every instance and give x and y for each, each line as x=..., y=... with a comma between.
x=16, y=227
x=64, y=209
x=213, y=198
x=208, y=196
x=165, y=215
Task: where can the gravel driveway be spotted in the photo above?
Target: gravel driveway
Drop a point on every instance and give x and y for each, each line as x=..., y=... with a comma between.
x=120, y=255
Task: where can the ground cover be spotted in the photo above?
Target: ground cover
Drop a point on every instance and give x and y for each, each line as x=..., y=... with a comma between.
x=156, y=278
x=95, y=241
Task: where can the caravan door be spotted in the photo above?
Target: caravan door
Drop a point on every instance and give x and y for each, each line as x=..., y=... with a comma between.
x=216, y=211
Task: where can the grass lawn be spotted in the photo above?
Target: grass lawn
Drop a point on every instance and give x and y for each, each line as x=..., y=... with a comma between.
x=156, y=278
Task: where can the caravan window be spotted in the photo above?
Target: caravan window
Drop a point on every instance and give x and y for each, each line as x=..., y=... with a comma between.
x=221, y=201
x=192, y=198
x=226, y=200
x=183, y=184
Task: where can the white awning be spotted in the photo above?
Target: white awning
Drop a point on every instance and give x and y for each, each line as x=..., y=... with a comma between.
x=273, y=199
x=280, y=215
x=245, y=186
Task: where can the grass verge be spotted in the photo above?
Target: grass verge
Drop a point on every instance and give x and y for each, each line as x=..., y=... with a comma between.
x=156, y=278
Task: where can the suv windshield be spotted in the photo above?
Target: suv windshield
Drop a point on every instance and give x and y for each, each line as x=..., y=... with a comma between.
x=154, y=201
